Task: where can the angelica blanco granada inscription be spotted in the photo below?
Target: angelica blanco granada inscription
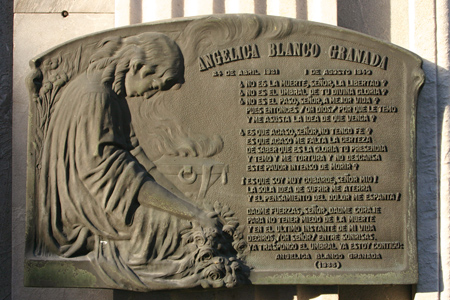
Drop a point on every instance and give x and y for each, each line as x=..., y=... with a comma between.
x=313, y=146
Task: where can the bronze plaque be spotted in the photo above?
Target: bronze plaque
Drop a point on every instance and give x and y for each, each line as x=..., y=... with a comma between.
x=222, y=150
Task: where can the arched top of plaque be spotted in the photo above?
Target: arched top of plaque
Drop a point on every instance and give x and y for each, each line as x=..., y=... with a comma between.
x=222, y=150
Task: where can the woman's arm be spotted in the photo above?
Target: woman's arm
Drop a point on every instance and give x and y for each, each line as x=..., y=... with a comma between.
x=166, y=183
x=154, y=195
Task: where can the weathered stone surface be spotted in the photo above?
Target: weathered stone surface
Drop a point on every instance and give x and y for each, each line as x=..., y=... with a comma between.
x=57, y=6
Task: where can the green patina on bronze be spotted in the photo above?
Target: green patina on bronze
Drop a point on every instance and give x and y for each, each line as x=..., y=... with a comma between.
x=57, y=274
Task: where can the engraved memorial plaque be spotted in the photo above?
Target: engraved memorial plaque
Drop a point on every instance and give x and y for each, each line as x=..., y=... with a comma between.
x=222, y=150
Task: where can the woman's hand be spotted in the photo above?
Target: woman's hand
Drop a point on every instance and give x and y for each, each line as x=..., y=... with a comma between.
x=207, y=220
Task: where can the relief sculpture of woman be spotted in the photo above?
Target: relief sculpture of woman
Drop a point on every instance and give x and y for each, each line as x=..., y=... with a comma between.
x=97, y=194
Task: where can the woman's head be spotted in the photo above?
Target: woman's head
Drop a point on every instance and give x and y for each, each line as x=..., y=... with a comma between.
x=138, y=64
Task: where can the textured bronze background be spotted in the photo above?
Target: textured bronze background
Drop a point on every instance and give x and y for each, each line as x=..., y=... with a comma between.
x=305, y=131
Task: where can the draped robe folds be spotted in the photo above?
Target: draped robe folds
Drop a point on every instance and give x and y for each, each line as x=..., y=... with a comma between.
x=92, y=170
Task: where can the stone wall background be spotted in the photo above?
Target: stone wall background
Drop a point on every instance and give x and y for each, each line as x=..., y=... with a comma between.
x=421, y=26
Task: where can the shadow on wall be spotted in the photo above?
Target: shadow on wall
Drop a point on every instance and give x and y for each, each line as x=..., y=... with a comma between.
x=135, y=11
x=6, y=46
x=429, y=124
x=178, y=8
x=302, y=9
x=366, y=16
x=219, y=8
